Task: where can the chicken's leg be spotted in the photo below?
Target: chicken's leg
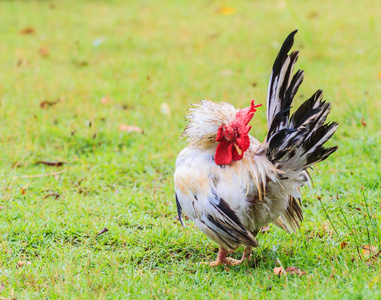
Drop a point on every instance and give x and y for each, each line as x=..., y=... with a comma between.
x=245, y=257
x=223, y=260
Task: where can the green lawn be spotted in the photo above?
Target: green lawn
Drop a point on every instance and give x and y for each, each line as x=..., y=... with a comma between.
x=139, y=57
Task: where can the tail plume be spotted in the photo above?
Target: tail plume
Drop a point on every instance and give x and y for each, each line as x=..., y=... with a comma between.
x=295, y=143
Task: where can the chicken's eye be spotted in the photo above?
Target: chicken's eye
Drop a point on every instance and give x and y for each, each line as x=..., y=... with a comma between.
x=228, y=135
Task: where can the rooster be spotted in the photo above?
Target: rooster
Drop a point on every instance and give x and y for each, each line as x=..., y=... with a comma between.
x=230, y=184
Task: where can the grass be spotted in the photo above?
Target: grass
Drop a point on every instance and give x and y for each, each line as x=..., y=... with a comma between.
x=143, y=54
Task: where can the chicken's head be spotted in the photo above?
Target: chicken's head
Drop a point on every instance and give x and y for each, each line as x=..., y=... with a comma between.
x=233, y=137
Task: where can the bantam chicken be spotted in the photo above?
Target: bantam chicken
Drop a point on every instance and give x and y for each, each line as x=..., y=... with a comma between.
x=229, y=183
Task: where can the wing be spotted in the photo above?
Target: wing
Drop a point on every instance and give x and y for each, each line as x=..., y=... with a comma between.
x=214, y=216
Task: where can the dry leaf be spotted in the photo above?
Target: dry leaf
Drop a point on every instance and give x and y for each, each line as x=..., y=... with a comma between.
x=295, y=270
x=105, y=100
x=46, y=103
x=128, y=128
x=290, y=270
x=363, y=123
x=27, y=30
x=368, y=250
x=22, y=263
x=278, y=271
x=343, y=245
x=82, y=63
x=370, y=261
x=44, y=51
x=55, y=195
x=51, y=163
x=226, y=10
x=102, y=231
x=313, y=15
x=165, y=109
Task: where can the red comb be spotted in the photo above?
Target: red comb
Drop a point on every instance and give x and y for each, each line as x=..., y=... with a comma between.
x=244, y=115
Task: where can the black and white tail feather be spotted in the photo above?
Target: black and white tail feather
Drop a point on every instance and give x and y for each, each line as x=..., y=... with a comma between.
x=295, y=143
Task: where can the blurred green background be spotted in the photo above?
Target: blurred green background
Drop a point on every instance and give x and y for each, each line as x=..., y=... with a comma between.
x=76, y=74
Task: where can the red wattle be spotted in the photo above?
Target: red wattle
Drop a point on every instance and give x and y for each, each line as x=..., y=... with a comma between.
x=224, y=153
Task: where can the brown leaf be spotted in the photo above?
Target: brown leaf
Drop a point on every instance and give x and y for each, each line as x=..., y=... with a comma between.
x=44, y=51
x=22, y=263
x=104, y=230
x=278, y=271
x=55, y=195
x=290, y=270
x=368, y=250
x=27, y=30
x=82, y=63
x=343, y=245
x=363, y=123
x=370, y=261
x=128, y=128
x=295, y=270
x=313, y=14
x=46, y=103
x=50, y=163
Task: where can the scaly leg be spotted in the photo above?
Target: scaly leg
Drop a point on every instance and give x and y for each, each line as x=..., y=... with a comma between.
x=223, y=260
x=245, y=257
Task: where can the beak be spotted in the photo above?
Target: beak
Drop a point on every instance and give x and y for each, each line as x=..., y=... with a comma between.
x=239, y=151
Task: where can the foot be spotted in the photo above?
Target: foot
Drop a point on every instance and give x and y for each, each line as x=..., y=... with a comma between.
x=245, y=258
x=228, y=261
x=221, y=258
